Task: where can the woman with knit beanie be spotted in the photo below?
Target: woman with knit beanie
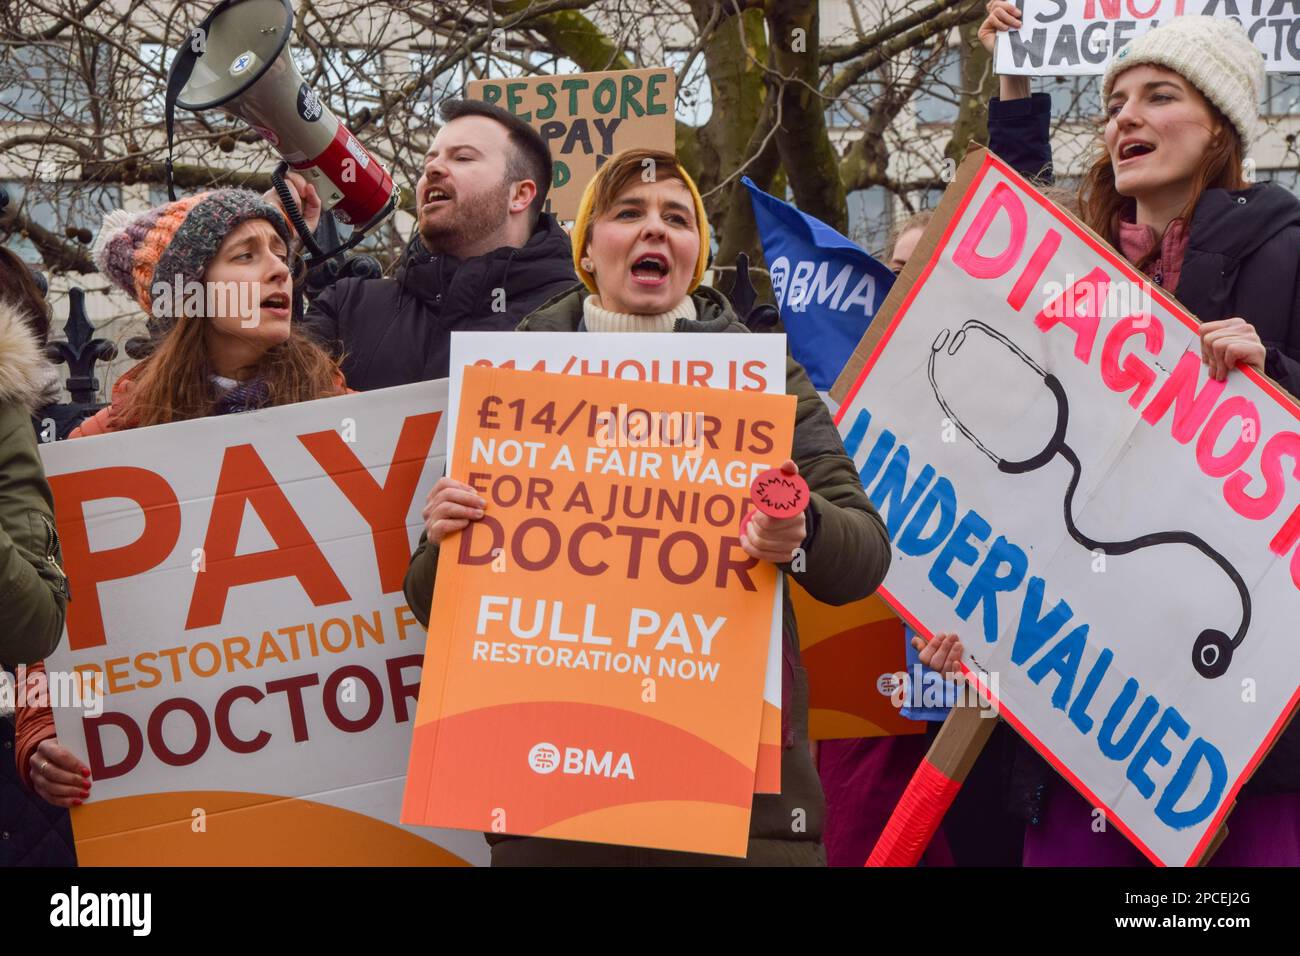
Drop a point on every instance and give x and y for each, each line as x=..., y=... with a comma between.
x=1167, y=189
x=212, y=273
x=1168, y=186
x=641, y=246
x=222, y=258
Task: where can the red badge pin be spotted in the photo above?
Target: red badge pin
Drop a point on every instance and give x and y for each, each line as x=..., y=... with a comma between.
x=777, y=494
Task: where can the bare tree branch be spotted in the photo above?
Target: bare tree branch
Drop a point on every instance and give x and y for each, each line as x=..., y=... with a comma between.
x=91, y=119
x=58, y=255
x=892, y=29
x=49, y=33
x=36, y=139
x=968, y=11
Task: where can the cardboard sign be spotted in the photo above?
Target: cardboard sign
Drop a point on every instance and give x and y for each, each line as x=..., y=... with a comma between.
x=1113, y=534
x=585, y=118
x=595, y=677
x=1078, y=37
x=237, y=583
x=752, y=363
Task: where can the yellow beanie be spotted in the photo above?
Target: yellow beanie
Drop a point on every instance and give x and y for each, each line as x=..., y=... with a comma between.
x=589, y=200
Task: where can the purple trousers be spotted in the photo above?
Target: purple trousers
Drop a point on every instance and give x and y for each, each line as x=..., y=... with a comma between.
x=1264, y=830
x=863, y=780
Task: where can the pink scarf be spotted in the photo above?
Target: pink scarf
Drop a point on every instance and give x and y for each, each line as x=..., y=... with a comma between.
x=1136, y=241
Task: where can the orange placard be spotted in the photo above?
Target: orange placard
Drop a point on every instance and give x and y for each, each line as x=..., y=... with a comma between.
x=596, y=663
x=703, y=360
x=851, y=654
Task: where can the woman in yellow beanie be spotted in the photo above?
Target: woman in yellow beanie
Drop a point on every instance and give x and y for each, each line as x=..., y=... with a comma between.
x=653, y=248
x=641, y=243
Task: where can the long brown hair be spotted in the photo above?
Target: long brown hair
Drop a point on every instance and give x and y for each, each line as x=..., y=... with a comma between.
x=18, y=287
x=1102, y=206
x=175, y=382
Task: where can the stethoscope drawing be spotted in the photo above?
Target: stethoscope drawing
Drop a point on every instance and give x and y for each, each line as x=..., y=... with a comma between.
x=1213, y=650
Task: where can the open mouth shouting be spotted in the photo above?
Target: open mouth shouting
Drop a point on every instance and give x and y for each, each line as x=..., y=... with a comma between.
x=1132, y=149
x=433, y=197
x=651, y=269
x=276, y=304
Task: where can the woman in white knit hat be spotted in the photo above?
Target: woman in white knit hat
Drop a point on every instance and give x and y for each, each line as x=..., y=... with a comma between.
x=1168, y=190
x=1168, y=187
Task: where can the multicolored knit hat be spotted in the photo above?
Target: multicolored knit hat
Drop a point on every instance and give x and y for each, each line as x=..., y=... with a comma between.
x=176, y=239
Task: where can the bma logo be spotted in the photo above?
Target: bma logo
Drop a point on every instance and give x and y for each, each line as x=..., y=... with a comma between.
x=799, y=285
x=544, y=758
x=887, y=684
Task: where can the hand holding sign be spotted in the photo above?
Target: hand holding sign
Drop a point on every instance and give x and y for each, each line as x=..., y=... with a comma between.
x=1228, y=343
x=942, y=654
x=770, y=538
x=58, y=777
x=1003, y=16
x=450, y=507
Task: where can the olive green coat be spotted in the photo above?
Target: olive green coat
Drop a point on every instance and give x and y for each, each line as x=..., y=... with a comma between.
x=846, y=560
x=33, y=590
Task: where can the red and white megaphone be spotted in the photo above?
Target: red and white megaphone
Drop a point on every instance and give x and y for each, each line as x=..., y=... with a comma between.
x=238, y=60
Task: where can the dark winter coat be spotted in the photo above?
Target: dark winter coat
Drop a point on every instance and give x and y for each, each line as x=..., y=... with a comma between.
x=32, y=832
x=848, y=554
x=397, y=331
x=1243, y=259
x=1020, y=134
x=33, y=589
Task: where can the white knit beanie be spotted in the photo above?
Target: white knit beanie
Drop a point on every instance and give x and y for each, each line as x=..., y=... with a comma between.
x=1212, y=54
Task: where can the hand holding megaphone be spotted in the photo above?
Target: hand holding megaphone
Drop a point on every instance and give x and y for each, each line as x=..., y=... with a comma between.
x=304, y=196
x=238, y=60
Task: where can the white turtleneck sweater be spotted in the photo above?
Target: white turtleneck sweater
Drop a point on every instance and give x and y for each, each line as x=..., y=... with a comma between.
x=599, y=319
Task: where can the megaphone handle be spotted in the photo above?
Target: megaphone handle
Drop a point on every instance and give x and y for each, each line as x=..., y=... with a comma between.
x=293, y=212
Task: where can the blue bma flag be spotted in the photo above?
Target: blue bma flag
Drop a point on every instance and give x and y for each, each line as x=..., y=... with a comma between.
x=827, y=288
